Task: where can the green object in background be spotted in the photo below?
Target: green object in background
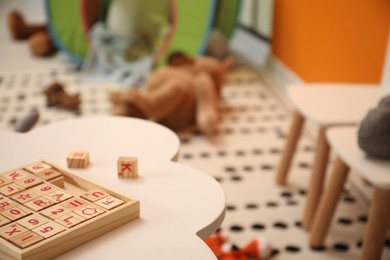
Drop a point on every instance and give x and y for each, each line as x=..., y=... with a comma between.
x=194, y=21
x=66, y=29
x=226, y=17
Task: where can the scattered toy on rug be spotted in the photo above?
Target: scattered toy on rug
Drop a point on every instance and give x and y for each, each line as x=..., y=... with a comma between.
x=37, y=35
x=374, y=130
x=56, y=96
x=258, y=249
x=180, y=95
x=27, y=122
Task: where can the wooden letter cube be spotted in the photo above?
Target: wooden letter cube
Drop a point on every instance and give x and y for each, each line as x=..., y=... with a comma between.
x=127, y=167
x=78, y=159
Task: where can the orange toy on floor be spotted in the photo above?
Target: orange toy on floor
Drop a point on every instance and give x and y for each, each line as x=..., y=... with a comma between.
x=258, y=249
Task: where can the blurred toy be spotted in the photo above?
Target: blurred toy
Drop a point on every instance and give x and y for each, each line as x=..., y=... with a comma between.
x=180, y=95
x=56, y=96
x=374, y=131
x=258, y=249
x=27, y=122
x=37, y=35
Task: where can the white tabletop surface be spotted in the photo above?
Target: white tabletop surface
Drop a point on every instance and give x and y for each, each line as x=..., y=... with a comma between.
x=179, y=205
x=344, y=141
x=334, y=104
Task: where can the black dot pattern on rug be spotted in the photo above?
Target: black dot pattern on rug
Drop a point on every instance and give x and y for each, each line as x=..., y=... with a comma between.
x=304, y=165
x=359, y=244
x=318, y=248
x=286, y=194
x=236, y=178
x=272, y=204
x=266, y=167
x=231, y=207
x=236, y=228
x=341, y=247
x=292, y=249
x=218, y=179
x=349, y=199
x=204, y=155
x=230, y=169
x=345, y=221
x=298, y=224
x=248, y=168
x=280, y=225
x=187, y=156
x=251, y=206
x=257, y=151
x=258, y=226
x=387, y=243
x=302, y=192
x=221, y=153
x=240, y=153
x=363, y=218
x=292, y=203
x=274, y=252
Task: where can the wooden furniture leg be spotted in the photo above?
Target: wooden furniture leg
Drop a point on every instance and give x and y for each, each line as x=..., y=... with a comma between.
x=316, y=179
x=377, y=225
x=289, y=149
x=327, y=206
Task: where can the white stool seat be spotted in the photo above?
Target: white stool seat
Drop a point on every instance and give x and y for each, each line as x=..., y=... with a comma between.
x=329, y=104
x=345, y=144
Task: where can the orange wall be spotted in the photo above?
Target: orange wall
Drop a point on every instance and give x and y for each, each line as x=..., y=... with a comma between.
x=332, y=40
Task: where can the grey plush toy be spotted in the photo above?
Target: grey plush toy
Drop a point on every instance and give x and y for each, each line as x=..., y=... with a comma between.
x=374, y=131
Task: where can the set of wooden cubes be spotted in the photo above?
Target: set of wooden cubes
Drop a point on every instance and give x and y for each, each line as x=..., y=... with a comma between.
x=78, y=159
x=39, y=219
x=128, y=167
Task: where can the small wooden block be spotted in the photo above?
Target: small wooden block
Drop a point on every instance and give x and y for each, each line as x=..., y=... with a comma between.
x=27, y=239
x=4, y=181
x=109, y=202
x=49, y=229
x=58, y=196
x=15, y=175
x=78, y=159
x=32, y=221
x=89, y=211
x=12, y=230
x=55, y=211
x=128, y=167
x=37, y=167
x=39, y=203
x=48, y=174
x=94, y=195
x=25, y=196
x=70, y=220
x=59, y=182
x=44, y=189
x=4, y=220
x=6, y=204
x=73, y=204
x=16, y=213
x=10, y=189
x=28, y=182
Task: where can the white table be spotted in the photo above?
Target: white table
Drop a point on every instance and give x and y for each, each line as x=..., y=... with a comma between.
x=344, y=142
x=179, y=205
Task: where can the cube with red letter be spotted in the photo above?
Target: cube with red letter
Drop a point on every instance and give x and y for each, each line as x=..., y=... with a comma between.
x=127, y=167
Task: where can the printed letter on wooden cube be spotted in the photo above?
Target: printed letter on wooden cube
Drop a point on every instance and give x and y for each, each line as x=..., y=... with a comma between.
x=127, y=167
x=78, y=159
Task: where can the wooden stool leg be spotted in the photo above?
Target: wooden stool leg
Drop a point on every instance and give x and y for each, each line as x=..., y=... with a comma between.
x=289, y=149
x=377, y=225
x=316, y=178
x=327, y=206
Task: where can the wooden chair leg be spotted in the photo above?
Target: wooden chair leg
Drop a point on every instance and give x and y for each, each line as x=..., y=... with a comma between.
x=316, y=178
x=328, y=204
x=377, y=225
x=289, y=149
